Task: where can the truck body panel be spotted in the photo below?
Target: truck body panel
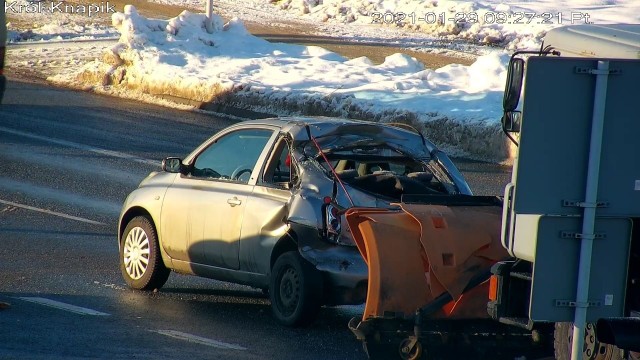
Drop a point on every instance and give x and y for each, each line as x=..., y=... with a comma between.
x=573, y=207
x=621, y=41
x=551, y=177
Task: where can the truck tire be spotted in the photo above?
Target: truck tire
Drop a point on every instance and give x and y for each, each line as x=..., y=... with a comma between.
x=593, y=349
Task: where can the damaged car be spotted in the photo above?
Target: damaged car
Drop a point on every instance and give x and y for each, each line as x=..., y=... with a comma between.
x=262, y=203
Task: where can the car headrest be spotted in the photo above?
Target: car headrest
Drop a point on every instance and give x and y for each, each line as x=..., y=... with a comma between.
x=347, y=174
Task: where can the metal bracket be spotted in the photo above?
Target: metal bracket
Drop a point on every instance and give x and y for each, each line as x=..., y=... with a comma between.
x=575, y=235
x=591, y=71
x=576, y=304
x=583, y=204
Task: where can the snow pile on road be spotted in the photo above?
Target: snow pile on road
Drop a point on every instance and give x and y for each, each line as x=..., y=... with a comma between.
x=496, y=22
x=458, y=106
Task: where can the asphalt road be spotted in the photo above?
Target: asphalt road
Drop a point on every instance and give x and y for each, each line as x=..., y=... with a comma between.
x=67, y=161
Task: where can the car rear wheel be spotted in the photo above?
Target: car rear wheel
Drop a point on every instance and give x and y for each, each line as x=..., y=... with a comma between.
x=295, y=290
x=593, y=349
x=140, y=259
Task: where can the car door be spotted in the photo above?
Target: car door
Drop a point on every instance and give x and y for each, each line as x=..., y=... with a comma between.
x=264, y=220
x=204, y=207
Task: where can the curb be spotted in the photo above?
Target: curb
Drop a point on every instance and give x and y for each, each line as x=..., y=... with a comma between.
x=219, y=108
x=474, y=140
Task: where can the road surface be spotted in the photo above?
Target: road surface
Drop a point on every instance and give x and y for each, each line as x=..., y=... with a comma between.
x=68, y=160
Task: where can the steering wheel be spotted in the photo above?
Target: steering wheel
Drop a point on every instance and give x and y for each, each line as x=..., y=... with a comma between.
x=239, y=171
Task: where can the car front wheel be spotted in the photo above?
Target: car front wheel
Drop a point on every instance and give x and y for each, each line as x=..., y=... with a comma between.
x=295, y=290
x=140, y=259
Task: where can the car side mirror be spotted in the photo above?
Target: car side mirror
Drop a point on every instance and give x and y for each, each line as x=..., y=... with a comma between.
x=511, y=121
x=172, y=165
x=513, y=86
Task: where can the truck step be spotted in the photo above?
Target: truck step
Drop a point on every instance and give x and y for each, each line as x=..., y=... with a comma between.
x=524, y=323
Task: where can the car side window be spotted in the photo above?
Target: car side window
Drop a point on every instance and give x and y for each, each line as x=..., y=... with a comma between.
x=278, y=167
x=231, y=157
x=280, y=170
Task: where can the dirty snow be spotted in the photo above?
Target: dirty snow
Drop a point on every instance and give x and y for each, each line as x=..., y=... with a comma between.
x=510, y=24
x=514, y=24
x=178, y=57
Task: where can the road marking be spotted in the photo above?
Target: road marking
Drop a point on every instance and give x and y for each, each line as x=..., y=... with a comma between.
x=96, y=150
x=63, y=306
x=199, y=340
x=55, y=213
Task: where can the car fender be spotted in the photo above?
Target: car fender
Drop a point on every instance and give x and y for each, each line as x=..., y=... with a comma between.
x=147, y=200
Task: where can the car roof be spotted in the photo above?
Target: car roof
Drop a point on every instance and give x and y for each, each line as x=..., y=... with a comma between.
x=403, y=136
x=296, y=124
x=287, y=121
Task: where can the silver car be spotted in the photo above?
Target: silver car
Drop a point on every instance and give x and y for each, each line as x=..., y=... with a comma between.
x=261, y=203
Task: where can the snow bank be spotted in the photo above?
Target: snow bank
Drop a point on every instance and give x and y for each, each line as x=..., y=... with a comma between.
x=459, y=107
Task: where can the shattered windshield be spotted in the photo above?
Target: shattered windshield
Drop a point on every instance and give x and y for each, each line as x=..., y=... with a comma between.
x=382, y=161
x=385, y=172
x=331, y=138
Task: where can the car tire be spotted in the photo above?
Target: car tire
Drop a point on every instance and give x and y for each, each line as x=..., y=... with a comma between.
x=593, y=349
x=140, y=259
x=295, y=290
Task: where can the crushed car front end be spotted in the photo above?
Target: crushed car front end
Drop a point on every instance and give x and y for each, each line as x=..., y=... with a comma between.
x=349, y=164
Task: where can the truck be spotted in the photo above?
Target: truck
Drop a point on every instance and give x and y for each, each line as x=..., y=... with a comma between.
x=558, y=255
x=571, y=213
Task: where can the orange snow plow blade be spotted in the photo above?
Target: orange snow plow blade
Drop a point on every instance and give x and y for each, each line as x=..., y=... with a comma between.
x=421, y=252
x=396, y=268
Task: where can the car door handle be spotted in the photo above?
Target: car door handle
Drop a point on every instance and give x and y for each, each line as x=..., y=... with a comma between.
x=234, y=201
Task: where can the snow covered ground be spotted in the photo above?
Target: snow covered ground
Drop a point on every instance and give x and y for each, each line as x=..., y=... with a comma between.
x=458, y=106
x=510, y=24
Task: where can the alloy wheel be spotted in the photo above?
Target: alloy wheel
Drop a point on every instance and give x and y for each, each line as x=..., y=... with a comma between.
x=136, y=253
